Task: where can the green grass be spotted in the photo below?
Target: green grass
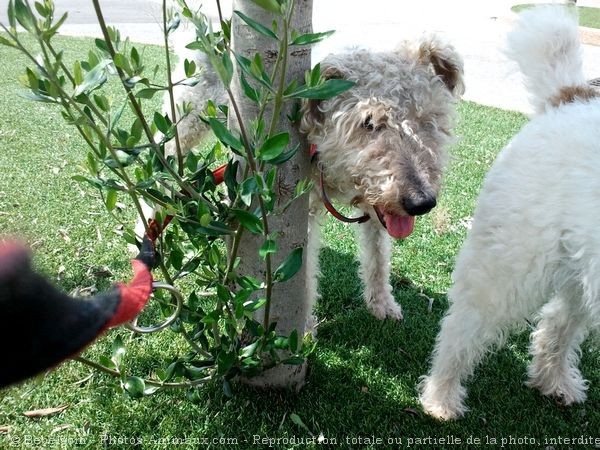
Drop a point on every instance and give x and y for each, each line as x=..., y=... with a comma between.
x=588, y=16
x=362, y=377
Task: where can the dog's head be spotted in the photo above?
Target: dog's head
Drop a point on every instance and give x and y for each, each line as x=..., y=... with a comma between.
x=382, y=143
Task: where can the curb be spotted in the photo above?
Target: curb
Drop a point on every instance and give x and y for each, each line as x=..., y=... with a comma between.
x=589, y=36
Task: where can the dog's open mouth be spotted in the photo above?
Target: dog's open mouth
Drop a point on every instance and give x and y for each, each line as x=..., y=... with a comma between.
x=399, y=227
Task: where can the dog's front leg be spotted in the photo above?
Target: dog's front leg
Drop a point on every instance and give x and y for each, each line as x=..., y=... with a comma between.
x=375, y=263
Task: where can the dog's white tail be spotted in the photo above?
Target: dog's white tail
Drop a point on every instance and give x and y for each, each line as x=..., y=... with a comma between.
x=545, y=44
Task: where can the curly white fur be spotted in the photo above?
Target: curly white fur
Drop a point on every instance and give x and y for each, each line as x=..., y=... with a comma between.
x=534, y=244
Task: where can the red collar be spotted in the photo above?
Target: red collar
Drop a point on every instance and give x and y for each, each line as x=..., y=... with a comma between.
x=314, y=156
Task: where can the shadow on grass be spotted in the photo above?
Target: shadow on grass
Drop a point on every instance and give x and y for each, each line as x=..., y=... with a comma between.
x=361, y=383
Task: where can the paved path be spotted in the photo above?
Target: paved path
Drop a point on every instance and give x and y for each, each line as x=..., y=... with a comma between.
x=476, y=27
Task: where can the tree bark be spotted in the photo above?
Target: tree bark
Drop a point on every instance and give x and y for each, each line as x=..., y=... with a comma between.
x=289, y=307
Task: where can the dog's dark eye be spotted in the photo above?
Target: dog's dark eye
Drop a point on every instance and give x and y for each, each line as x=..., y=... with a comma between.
x=368, y=124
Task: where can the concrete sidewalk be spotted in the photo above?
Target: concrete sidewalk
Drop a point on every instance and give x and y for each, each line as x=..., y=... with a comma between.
x=477, y=28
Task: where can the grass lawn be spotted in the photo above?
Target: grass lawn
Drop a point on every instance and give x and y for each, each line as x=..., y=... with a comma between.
x=588, y=16
x=362, y=377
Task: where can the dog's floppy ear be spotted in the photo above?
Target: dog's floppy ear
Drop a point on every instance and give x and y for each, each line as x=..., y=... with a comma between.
x=312, y=116
x=446, y=63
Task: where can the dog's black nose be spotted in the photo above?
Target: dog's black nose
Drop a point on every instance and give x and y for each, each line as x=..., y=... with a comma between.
x=418, y=204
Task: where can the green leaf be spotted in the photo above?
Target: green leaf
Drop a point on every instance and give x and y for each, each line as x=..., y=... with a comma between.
x=285, y=156
x=52, y=30
x=294, y=360
x=253, y=305
x=176, y=258
x=195, y=373
x=269, y=5
x=111, y=199
x=269, y=246
x=123, y=160
x=250, y=68
x=330, y=88
x=106, y=362
x=136, y=129
x=256, y=26
x=11, y=14
x=117, y=350
x=135, y=56
x=273, y=147
x=41, y=9
x=248, y=188
x=161, y=122
x=311, y=38
x=281, y=343
x=248, y=220
x=121, y=62
x=230, y=178
x=228, y=67
x=315, y=75
x=257, y=68
x=293, y=341
x=94, y=79
x=290, y=266
x=147, y=93
x=298, y=421
x=94, y=182
x=102, y=102
x=151, y=390
x=135, y=386
x=189, y=67
x=249, y=350
x=101, y=44
x=224, y=135
x=250, y=92
x=225, y=361
x=24, y=15
x=4, y=41
x=174, y=23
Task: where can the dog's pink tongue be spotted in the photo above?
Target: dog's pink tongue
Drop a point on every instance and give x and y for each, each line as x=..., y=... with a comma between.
x=399, y=227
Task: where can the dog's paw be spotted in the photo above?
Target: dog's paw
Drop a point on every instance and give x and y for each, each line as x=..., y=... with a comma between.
x=443, y=402
x=386, y=309
x=568, y=389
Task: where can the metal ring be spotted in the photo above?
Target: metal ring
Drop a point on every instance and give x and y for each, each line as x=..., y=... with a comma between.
x=133, y=326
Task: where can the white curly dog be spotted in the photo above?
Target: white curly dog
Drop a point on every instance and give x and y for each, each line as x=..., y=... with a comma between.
x=534, y=246
x=381, y=146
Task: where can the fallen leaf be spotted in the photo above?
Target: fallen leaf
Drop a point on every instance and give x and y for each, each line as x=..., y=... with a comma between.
x=364, y=389
x=101, y=272
x=83, y=380
x=430, y=301
x=34, y=413
x=5, y=429
x=412, y=411
x=61, y=428
x=84, y=292
x=64, y=235
x=298, y=421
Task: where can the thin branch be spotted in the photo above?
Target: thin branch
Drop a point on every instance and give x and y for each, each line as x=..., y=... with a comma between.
x=116, y=373
x=170, y=89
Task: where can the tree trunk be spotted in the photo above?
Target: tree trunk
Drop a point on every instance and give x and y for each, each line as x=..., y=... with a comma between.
x=289, y=307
